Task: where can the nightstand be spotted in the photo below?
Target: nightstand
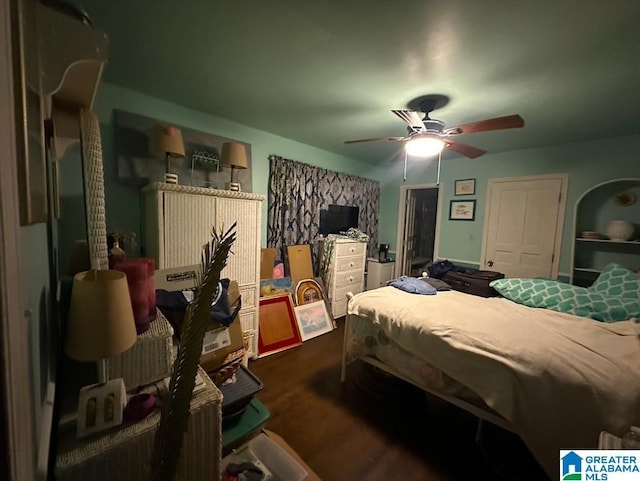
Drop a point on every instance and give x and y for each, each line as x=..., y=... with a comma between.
x=379, y=273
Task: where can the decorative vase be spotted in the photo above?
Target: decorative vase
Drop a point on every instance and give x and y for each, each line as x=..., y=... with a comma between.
x=116, y=254
x=620, y=230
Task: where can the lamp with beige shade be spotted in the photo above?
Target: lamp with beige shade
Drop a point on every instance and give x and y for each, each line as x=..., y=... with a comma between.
x=234, y=155
x=101, y=325
x=166, y=143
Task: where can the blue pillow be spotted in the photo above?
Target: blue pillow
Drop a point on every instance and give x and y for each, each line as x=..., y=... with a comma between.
x=561, y=297
x=413, y=285
x=616, y=280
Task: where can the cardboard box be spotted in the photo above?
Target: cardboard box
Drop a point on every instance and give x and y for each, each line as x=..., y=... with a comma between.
x=222, y=347
x=267, y=262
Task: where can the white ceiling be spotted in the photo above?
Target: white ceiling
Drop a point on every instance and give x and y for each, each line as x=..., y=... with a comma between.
x=323, y=72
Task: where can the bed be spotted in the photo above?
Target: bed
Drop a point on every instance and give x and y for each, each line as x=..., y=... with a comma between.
x=555, y=379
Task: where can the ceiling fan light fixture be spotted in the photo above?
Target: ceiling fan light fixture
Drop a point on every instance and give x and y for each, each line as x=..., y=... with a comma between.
x=424, y=146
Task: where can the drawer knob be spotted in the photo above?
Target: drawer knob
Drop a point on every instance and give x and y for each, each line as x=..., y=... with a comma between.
x=350, y=264
x=350, y=278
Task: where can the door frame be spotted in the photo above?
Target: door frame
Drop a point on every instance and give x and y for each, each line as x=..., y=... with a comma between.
x=401, y=215
x=557, y=243
x=15, y=362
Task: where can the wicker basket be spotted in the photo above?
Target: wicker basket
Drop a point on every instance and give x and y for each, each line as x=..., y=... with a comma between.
x=149, y=360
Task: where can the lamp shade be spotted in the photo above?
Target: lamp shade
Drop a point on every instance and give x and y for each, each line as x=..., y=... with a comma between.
x=234, y=154
x=166, y=140
x=101, y=321
x=424, y=145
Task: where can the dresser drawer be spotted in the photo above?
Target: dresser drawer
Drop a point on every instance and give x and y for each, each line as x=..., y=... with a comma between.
x=248, y=319
x=248, y=295
x=340, y=293
x=347, y=277
x=349, y=264
x=350, y=249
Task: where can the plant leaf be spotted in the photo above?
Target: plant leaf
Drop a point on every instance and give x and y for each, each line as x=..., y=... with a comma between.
x=175, y=411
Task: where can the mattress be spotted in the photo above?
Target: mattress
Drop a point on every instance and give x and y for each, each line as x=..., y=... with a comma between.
x=557, y=379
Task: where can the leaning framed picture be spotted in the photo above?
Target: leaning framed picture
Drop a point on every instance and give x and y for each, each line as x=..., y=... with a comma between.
x=313, y=319
x=465, y=187
x=278, y=327
x=462, y=210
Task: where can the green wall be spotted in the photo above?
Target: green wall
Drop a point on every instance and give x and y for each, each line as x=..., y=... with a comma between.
x=123, y=201
x=587, y=163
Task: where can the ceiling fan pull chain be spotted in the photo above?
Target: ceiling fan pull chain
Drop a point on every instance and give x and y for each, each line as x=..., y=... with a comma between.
x=439, y=159
x=405, y=166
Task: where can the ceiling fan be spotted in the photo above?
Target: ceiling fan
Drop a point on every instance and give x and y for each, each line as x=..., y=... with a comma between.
x=427, y=136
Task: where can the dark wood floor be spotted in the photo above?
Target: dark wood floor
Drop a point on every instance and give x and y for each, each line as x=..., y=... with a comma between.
x=374, y=427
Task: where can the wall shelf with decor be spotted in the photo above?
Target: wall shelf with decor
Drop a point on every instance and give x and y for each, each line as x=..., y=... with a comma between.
x=604, y=229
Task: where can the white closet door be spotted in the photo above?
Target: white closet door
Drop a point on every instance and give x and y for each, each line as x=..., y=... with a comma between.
x=188, y=222
x=243, y=265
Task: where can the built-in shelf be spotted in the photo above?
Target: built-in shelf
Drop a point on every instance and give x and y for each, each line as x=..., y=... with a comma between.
x=609, y=241
x=593, y=213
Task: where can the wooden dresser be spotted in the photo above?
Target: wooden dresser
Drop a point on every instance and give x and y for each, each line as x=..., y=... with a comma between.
x=178, y=222
x=346, y=273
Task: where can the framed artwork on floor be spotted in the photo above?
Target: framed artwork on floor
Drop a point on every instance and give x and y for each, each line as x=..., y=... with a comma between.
x=278, y=326
x=313, y=320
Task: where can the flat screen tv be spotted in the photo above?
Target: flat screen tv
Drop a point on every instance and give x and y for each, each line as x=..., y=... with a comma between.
x=338, y=218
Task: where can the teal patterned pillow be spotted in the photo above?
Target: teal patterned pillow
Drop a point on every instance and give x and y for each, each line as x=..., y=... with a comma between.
x=615, y=280
x=558, y=296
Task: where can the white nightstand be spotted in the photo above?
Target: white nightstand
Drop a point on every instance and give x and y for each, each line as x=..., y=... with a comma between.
x=379, y=273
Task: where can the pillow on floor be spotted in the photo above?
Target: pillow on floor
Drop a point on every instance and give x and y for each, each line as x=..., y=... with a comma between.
x=558, y=296
x=616, y=280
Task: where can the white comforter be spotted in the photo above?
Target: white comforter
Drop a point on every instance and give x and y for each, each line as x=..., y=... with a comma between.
x=557, y=378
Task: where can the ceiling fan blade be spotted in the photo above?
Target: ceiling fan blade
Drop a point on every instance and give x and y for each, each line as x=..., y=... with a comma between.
x=397, y=139
x=464, y=149
x=499, y=123
x=411, y=118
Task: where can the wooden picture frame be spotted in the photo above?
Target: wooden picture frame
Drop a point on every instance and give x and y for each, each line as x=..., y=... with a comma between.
x=462, y=210
x=465, y=187
x=314, y=290
x=313, y=320
x=278, y=325
x=308, y=291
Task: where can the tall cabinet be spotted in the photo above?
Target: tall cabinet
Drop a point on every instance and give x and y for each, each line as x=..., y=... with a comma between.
x=617, y=199
x=178, y=222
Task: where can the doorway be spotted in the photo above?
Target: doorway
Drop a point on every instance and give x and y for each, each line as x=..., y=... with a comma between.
x=417, y=216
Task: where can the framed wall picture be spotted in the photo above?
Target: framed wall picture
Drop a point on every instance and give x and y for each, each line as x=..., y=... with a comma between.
x=465, y=187
x=462, y=210
x=278, y=326
x=313, y=320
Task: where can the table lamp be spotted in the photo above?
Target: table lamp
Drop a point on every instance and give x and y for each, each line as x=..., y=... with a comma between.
x=166, y=143
x=101, y=322
x=101, y=325
x=234, y=155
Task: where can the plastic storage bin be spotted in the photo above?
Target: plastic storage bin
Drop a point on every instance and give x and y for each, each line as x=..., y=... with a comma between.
x=238, y=395
x=274, y=462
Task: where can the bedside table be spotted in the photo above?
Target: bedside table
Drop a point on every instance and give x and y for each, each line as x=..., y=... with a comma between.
x=379, y=273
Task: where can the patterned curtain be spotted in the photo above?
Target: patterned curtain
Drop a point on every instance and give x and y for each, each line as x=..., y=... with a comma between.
x=297, y=193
